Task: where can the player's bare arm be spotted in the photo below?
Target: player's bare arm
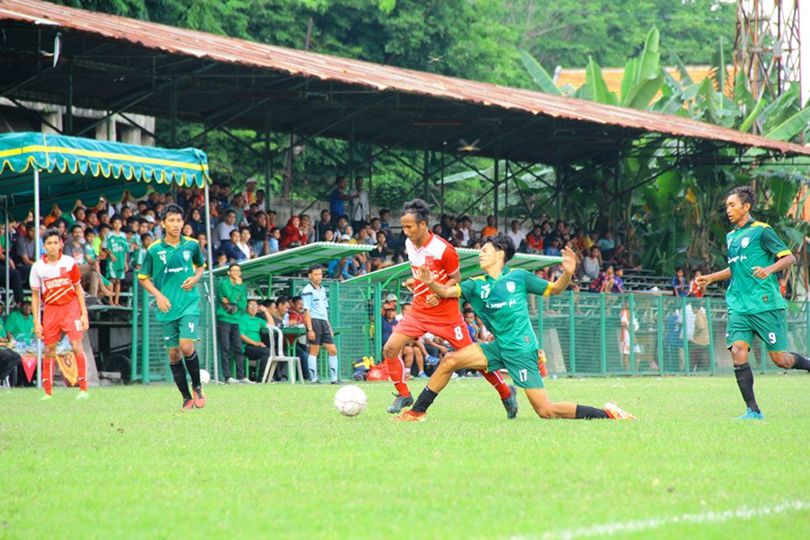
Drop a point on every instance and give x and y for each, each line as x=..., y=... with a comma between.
x=82, y=306
x=191, y=281
x=708, y=279
x=778, y=266
x=569, y=266
x=163, y=303
x=35, y=312
x=439, y=289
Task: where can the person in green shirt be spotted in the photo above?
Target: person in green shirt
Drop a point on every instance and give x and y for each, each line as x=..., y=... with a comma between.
x=499, y=298
x=231, y=304
x=756, y=255
x=20, y=323
x=170, y=272
x=117, y=247
x=253, y=329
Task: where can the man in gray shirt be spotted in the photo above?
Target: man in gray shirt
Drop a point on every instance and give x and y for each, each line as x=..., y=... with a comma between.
x=316, y=319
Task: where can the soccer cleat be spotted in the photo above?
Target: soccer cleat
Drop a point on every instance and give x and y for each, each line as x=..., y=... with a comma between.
x=188, y=404
x=751, y=414
x=423, y=375
x=83, y=395
x=617, y=413
x=411, y=416
x=46, y=397
x=245, y=380
x=338, y=382
x=511, y=403
x=231, y=380
x=400, y=403
x=198, y=398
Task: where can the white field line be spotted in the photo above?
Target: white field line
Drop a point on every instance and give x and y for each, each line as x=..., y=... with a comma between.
x=641, y=525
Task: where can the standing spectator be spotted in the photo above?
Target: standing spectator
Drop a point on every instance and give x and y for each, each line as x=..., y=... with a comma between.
x=316, y=319
x=116, y=246
x=385, y=226
x=252, y=325
x=225, y=227
x=360, y=205
x=231, y=304
x=516, y=234
x=679, y=286
x=465, y=234
x=323, y=225
x=491, y=229
x=445, y=228
x=695, y=289
x=25, y=252
x=606, y=245
x=14, y=278
x=77, y=248
x=534, y=241
x=338, y=198
x=699, y=342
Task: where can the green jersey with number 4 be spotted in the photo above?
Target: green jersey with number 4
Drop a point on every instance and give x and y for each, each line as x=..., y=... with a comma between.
x=169, y=266
x=503, y=305
x=753, y=244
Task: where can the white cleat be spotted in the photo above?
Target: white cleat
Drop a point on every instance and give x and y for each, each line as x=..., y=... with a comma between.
x=83, y=395
x=617, y=413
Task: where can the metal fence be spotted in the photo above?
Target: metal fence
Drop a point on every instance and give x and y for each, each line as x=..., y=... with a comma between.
x=582, y=334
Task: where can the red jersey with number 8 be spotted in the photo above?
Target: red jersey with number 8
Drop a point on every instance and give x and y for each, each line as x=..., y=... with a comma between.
x=442, y=259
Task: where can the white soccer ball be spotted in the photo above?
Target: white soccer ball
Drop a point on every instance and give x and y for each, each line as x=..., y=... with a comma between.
x=350, y=400
x=205, y=377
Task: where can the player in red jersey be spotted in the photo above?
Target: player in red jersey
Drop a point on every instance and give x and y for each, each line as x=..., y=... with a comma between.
x=440, y=317
x=56, y=283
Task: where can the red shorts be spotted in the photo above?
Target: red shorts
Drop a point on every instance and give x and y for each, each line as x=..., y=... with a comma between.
x=66, y=318
x=453, y=331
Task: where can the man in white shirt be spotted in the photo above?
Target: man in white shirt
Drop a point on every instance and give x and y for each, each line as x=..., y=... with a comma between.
x=360, y=205
x=516, y=234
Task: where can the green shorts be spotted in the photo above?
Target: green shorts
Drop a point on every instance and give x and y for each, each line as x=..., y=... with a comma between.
x=520, y=362
x=770, y=326
x=115, y=272
x=186, y=327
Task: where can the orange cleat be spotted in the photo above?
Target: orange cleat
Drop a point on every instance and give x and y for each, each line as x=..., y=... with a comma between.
x=188, y=404
x=199, y=398
x=617, y=413
x=411, y=416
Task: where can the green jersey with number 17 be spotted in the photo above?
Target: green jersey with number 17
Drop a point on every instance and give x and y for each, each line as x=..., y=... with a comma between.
x=168, y=267
x=753, y=244
x=502, y=304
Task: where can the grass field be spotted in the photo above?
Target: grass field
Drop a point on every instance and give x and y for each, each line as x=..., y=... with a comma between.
x=279, y=462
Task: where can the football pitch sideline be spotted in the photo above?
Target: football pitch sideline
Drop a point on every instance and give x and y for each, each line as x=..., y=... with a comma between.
x=278, y=461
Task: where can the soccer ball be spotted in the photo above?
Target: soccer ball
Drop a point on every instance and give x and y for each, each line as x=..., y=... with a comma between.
x=205, y=377
x=350, y=400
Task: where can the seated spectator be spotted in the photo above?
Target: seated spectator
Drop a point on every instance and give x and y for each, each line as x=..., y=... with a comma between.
x=385, y=217
x=77, y=248
x=679, y=286
x=20, y=323
x=259, y=234
x=197, y=223
x=534, y=240
x=472, y=323
x=223, y=230
x=244, y=242
x=491, y=229
x=25, y=252
x=328, y=236
x=606, y=245
x=14, y=277
x=464, y=232
x=389, y=321
x=618, y=281
x=306, y=230
x=230, y=247
x=517, y=235
x=253, y=325
x=592, y=263
x=323, y=225
x=342, y=226
x=446, y=226
x=291, y=234
x=365, y=236
x=380, y=256
x=553, y=250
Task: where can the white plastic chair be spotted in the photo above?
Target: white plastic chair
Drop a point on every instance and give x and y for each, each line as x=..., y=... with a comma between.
x=277, y=355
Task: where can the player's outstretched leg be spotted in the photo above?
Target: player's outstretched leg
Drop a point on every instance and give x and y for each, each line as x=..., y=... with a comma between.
x=193, y=366
x=470, y=357
x=745, y=380
x=507, y=393
x=545, y=408
x=396, y=370
x=790, y=360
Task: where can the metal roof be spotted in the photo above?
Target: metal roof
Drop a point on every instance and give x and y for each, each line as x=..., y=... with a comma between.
x=293, y=260
x=468, y=264
x=135, y=65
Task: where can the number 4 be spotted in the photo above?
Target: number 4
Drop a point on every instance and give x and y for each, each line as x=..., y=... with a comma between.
x=191, y=327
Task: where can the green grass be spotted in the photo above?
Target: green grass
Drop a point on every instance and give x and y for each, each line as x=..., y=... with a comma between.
x=279, y=462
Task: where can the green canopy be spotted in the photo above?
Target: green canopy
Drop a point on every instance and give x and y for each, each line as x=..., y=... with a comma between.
x=74, y=168
x=294, y=260
x=468, y=264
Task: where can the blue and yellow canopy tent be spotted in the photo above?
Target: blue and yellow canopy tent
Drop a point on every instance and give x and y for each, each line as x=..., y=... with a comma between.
x=39, y=168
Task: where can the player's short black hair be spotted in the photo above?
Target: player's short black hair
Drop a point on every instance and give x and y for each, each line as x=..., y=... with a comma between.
x=51, y=232
x=745, y=193
x=418, y=208
x=501, y=242
x=171, y=209
x=314, y=267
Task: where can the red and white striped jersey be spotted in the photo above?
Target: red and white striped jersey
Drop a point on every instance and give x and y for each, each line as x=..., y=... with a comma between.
x=442, y=259
x=56, y=281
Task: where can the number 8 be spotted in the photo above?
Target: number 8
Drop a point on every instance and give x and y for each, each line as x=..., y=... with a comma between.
x=772, y=338
x=458, y=333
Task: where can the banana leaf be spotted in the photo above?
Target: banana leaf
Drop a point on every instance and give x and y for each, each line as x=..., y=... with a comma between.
x=539, y=75
x=596, y=84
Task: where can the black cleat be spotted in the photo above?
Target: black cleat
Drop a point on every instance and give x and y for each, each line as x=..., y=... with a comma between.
x=400, y=403
x=511, y=403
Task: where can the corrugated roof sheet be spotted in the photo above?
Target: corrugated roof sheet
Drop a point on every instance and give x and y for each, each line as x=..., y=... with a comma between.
x=177, y=41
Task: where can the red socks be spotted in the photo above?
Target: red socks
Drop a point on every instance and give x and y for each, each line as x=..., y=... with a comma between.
x=47, y=375
x=497, y=381
x=81, y=367
x=396, y=370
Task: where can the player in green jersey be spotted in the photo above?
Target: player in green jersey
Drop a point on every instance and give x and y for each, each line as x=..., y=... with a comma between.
x=170, y=272
x=117, y=247
x=499, y=297
x=755, y=304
